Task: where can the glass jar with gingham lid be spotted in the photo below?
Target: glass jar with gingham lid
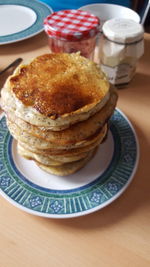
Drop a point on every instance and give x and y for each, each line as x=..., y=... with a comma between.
x=71, y=31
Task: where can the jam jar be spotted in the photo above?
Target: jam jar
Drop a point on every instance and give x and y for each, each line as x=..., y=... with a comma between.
x=72, y=31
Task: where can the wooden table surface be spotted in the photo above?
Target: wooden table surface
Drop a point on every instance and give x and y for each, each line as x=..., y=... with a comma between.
x=118, y=235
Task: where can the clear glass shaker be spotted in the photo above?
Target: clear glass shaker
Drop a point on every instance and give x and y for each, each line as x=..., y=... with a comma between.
x=121, y=48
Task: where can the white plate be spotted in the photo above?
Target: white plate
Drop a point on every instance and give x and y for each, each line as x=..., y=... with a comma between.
x=21, y=19
x=110, y=11
x=95, y=186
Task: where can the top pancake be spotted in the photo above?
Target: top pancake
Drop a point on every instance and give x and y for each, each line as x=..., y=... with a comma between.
x=75, y=133
x=56, y=90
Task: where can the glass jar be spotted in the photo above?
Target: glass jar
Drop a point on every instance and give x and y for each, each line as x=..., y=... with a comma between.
x=72, y=31
x=121, y=48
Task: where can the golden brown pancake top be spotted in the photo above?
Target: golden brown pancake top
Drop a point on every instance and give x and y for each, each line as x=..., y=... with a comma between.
x=56, y=84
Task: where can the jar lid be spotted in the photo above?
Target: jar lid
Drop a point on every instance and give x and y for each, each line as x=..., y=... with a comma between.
x=72, y=25
x=123, y=30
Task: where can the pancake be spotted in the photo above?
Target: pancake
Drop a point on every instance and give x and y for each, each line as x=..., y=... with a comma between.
x=68, y=168
x=56, y=90
x=48, y=159
x=63, y=157
x=74, y=134
x=39, y=143
x=66, y=153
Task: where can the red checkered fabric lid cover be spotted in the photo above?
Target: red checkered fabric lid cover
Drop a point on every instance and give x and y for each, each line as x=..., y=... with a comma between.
x=71, y=25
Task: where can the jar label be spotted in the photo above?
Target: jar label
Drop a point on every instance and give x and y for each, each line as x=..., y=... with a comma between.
x=119, y=74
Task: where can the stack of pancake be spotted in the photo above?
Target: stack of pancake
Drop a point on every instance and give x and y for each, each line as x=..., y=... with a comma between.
x=57, y=108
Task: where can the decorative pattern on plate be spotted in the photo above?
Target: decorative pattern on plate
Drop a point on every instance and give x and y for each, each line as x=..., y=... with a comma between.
x=41, y=10
x=79, y=201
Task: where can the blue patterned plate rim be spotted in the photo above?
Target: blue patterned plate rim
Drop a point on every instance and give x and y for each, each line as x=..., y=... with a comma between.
x=96, y=196
x=41, y=10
